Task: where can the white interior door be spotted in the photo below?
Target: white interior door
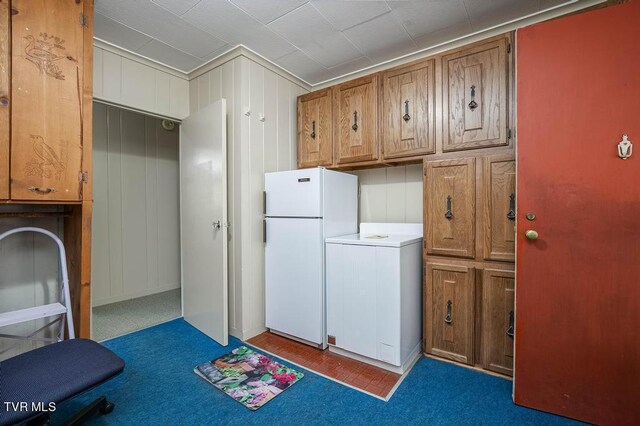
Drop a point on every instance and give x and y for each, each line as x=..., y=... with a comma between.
x=203, y=220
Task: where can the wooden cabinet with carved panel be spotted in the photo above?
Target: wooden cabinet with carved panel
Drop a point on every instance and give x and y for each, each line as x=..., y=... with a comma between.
x=355, y=113
x=315, y=129
x=47, y=60
x=499, y=199
x=450, y=188
x=449, y=311
x=407, y=107
x=498, y=316
x=5, y=95
x=474, y=97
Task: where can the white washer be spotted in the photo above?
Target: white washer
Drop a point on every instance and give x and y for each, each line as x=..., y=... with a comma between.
x=374, y=294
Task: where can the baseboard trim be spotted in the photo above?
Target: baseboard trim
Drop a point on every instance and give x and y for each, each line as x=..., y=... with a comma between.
x=123, y=297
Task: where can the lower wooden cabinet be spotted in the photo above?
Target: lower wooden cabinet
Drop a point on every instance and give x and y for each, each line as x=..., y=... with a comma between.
x=499, y=194
x=449, y=311
x=498, y=320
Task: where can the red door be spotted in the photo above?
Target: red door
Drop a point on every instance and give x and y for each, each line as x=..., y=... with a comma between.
x=578, y=284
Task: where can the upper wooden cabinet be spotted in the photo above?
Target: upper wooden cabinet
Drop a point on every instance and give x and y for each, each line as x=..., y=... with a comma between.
x=315, y=129
x=498, y=320
x=408, y=110
x=450, y=187
x=474, y=97
x=449, y=311
x=356, y=120
x=499, y=199
x=48, y=88
x=5, y=78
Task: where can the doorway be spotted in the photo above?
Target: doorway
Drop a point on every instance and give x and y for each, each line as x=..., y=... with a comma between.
x=135, y=245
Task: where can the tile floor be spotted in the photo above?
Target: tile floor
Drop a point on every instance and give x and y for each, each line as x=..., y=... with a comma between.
x=363, y=376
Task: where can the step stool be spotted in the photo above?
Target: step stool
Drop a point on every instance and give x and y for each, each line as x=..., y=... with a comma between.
x=61, y=309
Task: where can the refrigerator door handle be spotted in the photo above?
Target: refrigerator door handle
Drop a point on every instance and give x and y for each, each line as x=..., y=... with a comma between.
x=264, y=202
x=264, y=230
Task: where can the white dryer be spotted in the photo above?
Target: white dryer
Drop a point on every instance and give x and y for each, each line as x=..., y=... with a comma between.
x=374, y=294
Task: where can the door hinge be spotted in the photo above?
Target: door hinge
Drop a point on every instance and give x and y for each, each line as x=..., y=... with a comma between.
x=508, y=47
x=84, y=177
x=509, y=133
x=84, y=21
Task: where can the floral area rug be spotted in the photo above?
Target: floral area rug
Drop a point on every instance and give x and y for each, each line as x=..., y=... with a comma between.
x=248, y=376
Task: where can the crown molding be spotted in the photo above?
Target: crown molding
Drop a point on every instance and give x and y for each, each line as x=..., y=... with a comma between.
x=109, y=47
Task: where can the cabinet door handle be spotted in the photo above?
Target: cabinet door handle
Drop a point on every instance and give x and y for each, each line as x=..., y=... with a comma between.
x=447, y=318
x=42, y=190
x=473, y=104
x=355, y=121
x=406, y=116
x=511, y=215
x=313, y=130
x=510, y=332
x=449, y=214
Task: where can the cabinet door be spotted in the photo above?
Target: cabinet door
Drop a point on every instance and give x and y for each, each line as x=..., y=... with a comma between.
x=407, y=108
x=499, y=207
x=450, y=207
x=356, y=120
x=498, y=327
x=5, y=79
x=449, y=309
x=475, y=97
x=315, y=129
x=46, y=116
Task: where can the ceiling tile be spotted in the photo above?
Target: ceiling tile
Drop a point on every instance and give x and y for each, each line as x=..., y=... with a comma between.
x=441, y=36
x=167, y=55
x=487, y=13
x=381, y=38
x=160, y=24
x=546, y=4
x=345, y=14
x=427, y=16
x=267, y=11
x=109, y=30
x=178, y=7
x=225, y=20
x=306, y=29
x=304, y=67
x=351, y=66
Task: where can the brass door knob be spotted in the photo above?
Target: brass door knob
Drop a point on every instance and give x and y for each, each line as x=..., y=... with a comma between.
x=531, y=234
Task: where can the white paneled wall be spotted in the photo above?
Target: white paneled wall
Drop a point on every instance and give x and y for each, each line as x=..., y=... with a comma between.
x=135, y=232
x=392, y=194
x=131, y=83
x=262, y=141
x=29, y=273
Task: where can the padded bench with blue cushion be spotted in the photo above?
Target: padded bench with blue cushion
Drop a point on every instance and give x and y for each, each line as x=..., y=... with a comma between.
x=56, y=373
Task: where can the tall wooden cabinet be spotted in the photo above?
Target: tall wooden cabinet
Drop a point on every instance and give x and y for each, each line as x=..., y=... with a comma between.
x=46, y=53
x=469, y=254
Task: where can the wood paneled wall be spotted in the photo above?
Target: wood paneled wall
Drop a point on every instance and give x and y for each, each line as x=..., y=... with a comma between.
x=255, y=146
x=136, y=240
x=391, y=194
x=29, y=272
x=133, y=84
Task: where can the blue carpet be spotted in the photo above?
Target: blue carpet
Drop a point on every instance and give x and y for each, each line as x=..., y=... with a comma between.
x=158, y=386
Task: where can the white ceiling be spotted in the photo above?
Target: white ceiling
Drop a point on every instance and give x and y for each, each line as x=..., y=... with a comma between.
x=315, y=40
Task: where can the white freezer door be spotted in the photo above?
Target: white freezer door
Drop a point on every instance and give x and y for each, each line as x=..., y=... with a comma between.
x=294, y=193
x=294, y=278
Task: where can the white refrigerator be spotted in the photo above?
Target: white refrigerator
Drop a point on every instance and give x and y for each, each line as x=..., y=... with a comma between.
x=302, y=209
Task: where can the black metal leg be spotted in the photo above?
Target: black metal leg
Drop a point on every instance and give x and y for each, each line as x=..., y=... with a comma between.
x=100, y=405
